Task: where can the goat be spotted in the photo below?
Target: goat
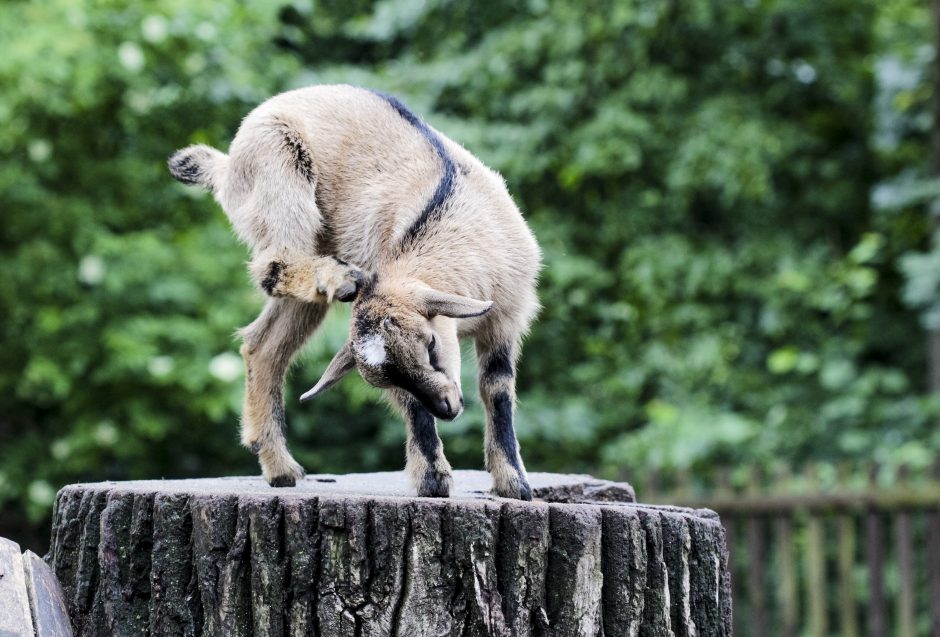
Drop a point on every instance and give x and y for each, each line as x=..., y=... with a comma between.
x=342, y=193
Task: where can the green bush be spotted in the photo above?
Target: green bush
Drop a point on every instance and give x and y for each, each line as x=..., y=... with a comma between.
x=730, y=196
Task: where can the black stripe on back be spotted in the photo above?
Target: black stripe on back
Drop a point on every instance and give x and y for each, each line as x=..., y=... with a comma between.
x=445, y=186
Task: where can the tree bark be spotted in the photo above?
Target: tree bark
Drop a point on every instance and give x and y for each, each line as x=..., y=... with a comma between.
x=357, y=555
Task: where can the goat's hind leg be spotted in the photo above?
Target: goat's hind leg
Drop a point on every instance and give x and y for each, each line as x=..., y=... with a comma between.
x=314, y=279
x=270, y=343
x=497, y=377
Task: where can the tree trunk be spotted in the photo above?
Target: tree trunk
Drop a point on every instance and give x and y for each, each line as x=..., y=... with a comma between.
x=357, y=555
x=933, y=334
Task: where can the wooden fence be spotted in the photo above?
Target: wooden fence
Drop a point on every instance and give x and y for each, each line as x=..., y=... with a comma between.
x=829, y=551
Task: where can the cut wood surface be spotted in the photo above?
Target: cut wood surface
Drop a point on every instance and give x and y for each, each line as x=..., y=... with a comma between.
x=31, y=600
x=46, y=599
x=15, y=617
x=360, y=555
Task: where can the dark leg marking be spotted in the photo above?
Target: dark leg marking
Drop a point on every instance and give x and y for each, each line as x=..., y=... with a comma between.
x=498, y=365
x=422, y=427
x=497, y=378
x=505, y=435
x=424, y=435
x=272, y=277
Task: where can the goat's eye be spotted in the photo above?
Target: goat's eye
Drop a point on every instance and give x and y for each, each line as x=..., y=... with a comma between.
x=432, y=345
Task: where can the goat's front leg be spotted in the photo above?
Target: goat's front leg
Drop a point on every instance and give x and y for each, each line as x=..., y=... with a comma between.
x=269, y=345
x=426, y=465
x=310, y=279
x=497, y=376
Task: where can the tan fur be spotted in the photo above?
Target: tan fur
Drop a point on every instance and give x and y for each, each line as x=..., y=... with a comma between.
x=269, y=344
x=314, y=280
x=335, y=170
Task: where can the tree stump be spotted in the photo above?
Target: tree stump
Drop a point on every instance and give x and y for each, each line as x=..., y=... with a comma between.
x=359, y=555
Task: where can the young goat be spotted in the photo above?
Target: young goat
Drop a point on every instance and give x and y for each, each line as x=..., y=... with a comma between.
x=321, y=178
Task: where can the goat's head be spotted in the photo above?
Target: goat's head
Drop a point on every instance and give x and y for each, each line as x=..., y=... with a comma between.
x=405, y=337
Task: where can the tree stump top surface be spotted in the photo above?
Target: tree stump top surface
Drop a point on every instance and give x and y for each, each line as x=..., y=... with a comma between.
x=468, y=486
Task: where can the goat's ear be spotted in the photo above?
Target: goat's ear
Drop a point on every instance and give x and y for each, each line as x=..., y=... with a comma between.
x=199, y=164
x=433, y=303
x=341, y=365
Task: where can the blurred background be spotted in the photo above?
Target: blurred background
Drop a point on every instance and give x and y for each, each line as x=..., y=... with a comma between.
x=737, y=202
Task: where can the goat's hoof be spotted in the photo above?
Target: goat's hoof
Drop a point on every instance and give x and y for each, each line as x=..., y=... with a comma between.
x=347, y=292
x=435, y=484
x=517, y=489
x=340, y=281
x=283, y=471
x=283, y=481
x=525, y=492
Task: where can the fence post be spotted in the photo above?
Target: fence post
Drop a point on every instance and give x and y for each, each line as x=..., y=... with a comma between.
x=905, y=539
x=874, y=549
x=848, y=612
x=756, y=561
x=814, y=563
x=783, y=527
x=933, y=569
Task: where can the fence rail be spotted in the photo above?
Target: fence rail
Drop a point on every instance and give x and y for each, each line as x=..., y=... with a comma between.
x=846, y=555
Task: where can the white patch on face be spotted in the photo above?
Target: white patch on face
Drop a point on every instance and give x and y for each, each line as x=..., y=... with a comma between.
x=372, y=350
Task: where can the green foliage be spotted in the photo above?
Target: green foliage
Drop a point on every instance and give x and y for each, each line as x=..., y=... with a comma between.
x=730, y=197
